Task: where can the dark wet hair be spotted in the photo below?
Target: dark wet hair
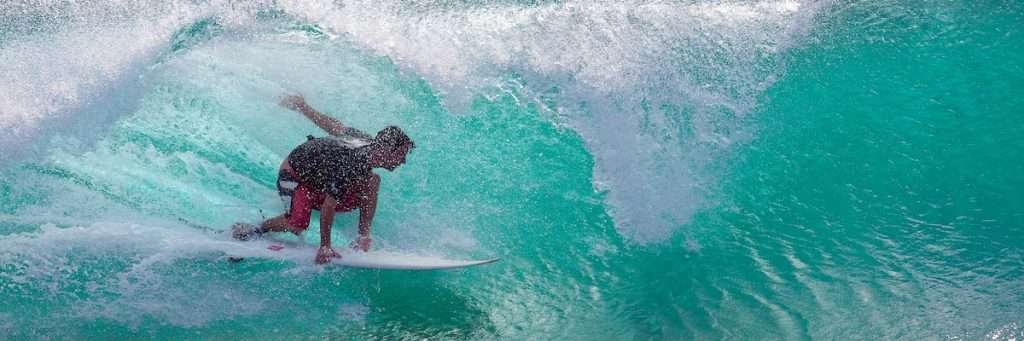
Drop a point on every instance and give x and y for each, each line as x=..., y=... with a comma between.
x=393, y=138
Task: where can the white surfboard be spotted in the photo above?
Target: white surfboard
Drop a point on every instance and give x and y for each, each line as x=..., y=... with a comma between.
x=271, y=247
x=384, y=260
x=399, y=261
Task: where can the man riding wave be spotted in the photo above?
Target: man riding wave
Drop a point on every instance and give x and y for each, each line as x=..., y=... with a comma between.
x=331, y=174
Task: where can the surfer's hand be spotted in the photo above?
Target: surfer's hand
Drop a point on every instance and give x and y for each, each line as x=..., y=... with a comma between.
x=325, y=253
x=293, y=102
x=362, y=243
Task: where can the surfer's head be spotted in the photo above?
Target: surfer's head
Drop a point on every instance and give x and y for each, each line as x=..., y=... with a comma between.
x=390, y=147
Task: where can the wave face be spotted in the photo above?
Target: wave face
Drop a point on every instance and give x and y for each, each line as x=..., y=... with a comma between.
x=690, y=169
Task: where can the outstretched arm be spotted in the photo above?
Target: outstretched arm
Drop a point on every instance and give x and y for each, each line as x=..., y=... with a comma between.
x=298, y=103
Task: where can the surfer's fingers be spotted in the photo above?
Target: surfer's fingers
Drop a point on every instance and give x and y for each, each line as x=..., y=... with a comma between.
x=291, y=101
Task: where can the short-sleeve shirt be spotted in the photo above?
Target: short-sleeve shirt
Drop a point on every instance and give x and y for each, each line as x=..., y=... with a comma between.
x=331, y=164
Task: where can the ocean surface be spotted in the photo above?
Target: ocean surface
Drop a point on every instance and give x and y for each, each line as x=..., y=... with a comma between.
x=646, y=170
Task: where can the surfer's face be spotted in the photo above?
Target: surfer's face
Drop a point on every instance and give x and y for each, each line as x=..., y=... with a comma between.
x=395, y=158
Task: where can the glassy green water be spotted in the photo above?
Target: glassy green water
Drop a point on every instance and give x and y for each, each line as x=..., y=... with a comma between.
x=698, y=170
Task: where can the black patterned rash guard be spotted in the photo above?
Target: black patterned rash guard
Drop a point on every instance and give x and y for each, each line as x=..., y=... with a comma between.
x=331, y=164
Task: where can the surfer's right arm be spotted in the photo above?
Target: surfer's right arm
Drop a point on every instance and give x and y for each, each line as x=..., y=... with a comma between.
x=325, y=252
x=329, y=124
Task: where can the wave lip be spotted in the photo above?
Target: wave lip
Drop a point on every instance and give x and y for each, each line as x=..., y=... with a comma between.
x=76, y=66
x=659, y=91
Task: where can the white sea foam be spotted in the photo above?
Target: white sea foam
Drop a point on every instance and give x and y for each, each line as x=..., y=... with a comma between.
x=660, y=91
x=57, y=258
x=630, y=63
x=79, y=65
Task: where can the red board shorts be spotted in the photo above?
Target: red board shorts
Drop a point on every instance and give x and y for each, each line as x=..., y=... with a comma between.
x=300, y=200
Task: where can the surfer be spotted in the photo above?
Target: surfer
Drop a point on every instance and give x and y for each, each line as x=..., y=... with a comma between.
x=331, y=174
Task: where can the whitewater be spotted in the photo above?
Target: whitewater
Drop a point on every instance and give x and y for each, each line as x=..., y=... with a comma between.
x=773, y=169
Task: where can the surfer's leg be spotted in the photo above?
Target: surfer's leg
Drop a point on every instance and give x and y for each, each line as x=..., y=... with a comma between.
x=280, y=223
x=295, y=198
x=296, y=220
x=349, y=201
x=277, y=224
x=303, y=204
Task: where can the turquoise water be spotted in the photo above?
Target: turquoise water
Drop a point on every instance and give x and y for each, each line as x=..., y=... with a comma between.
x=686, y=170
